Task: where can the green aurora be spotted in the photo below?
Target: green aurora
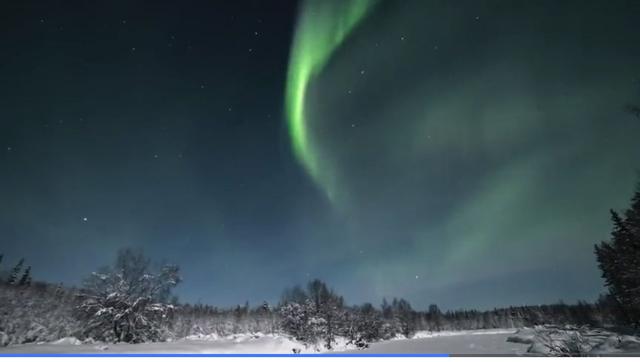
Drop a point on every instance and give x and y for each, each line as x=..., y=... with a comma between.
x=321, y=29
x=457, y=155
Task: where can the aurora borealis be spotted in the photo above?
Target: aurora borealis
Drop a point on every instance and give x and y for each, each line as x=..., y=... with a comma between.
x=464, y=153
x=460, y=140
x=322, y=27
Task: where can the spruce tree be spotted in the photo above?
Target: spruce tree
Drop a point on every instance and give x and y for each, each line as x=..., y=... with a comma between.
x=619, y=261
x=26, y=277
x=13, y=277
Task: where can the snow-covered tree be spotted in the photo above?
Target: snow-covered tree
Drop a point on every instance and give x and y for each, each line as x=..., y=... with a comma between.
x=127, y=302
x=619, y=260
x=328, y=310
x=368, y=323
x=314, y=315
x=35, y=314
x=294, y=319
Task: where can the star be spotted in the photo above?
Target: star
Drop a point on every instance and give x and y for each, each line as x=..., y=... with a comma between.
x=85, y=219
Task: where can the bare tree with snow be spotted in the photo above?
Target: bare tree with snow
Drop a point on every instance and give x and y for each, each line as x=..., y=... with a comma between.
x=128, y=302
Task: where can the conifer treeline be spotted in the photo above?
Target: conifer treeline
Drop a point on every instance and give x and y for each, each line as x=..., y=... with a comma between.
x=15, y=277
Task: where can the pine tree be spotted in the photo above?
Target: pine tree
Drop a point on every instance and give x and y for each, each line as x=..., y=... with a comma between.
x=13, y=277
x=387, y=312
x=619, y=261
x=26, y=277
x=435, y=315
x=405, y=317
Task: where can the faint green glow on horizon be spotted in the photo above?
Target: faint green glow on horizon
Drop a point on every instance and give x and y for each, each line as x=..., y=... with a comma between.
x=322, y=26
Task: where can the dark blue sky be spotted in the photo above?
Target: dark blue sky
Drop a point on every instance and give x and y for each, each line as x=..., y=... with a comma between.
x=476, y=146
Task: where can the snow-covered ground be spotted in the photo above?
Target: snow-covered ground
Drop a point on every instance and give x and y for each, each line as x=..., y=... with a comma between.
x=211, y=344
x=486, y=342
x=256, y=343
x=477, y=342
x=570, y=340
x=465, y=342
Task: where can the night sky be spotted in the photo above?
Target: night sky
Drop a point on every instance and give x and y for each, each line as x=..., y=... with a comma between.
x=464, y=153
